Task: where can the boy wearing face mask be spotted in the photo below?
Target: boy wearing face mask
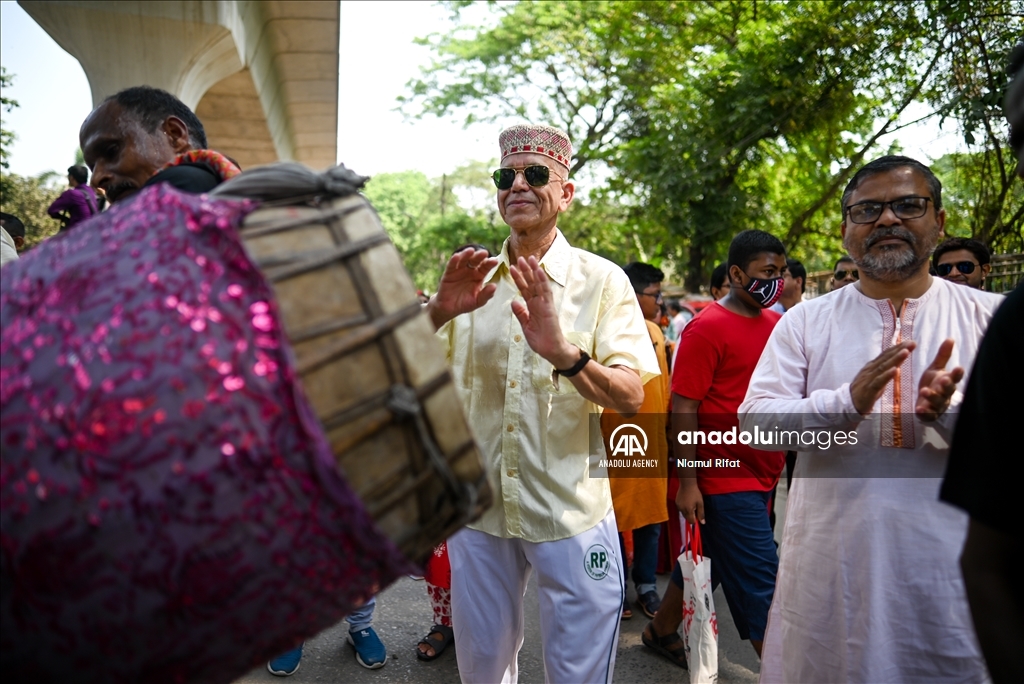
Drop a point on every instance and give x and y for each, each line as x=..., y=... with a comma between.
x=730, y=498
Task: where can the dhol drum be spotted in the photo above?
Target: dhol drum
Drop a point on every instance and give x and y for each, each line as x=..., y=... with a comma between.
x=223, y=426
x=365, y=353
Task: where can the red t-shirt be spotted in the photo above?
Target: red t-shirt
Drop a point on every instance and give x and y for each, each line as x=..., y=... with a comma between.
x=717, y=355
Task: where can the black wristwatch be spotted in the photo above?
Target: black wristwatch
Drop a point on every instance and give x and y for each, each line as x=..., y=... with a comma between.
x=584, y=358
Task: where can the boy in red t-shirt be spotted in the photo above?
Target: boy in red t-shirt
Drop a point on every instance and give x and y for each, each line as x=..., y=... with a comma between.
x=717, y=355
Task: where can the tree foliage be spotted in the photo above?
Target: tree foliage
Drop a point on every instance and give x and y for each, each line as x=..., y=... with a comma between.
x=717, y=116
x=428, y=219
x=28, y=197
x=6, y=105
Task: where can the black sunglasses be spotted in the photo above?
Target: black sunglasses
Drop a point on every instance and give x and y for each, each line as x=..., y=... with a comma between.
x=841, y=274
x=536, y=175
x=965, y=267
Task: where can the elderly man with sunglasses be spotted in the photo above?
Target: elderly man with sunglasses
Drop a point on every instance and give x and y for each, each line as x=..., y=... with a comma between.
x=868, y=587
x=540, y=339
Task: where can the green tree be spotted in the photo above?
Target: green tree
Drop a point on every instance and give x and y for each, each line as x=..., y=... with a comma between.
x=427, y=220
x=562, y=62
x=969, y=87
x=28, y=197
x=6, y=105
x=719, y=116
x=967, y=184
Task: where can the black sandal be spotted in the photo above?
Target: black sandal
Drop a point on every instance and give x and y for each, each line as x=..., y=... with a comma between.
x=670, y=646
x=439, y=645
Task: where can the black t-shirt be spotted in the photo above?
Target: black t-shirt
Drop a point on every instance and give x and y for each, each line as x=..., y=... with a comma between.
x=987, y=446
x=187, y=177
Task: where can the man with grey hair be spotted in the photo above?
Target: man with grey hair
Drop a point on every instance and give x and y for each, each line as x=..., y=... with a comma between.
x=868, y=588
x=540, y=338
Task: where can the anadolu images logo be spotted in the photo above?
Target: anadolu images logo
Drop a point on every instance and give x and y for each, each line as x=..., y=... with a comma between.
x=627, y=443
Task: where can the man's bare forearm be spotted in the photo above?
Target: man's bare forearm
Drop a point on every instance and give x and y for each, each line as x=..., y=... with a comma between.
x=614, y=387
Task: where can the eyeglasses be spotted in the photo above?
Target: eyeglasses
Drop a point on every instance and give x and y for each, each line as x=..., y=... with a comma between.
x=965, y=267
x=904, y=208
x=537, y=176
x=841, y=274
x=657, y=297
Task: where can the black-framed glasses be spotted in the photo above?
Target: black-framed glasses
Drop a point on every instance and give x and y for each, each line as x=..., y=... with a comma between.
x=658, y=297
x=904, y=208
x=536, y=175
x=965, y=267
x=841, y=274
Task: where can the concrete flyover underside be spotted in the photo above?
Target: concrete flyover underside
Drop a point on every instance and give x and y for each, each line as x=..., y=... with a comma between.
x=261, y=75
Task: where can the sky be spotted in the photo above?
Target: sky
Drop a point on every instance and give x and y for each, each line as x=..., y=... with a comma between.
x=377, y=59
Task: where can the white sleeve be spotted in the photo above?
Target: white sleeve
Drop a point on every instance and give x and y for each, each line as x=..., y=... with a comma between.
x=777, y=394
x=7, y=250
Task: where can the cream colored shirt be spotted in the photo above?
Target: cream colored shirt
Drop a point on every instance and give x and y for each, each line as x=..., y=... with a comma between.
x=537, y=438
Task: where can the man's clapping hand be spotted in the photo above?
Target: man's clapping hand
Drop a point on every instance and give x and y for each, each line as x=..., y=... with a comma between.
x=935, y=391
x=462, y=287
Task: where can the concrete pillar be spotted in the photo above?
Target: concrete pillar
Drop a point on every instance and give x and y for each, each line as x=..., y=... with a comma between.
x=261, y=75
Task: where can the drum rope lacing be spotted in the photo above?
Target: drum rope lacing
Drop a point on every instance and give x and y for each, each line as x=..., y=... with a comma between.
x=288, y=185
x=404, y=403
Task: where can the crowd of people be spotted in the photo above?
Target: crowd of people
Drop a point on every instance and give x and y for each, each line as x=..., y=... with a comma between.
x=872, y=581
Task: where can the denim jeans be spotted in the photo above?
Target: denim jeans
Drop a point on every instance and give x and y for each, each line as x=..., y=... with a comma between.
x=362, y=617
x=645, y=557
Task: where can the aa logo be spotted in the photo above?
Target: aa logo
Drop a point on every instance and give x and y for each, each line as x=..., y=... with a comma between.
x=628, y=440
x=597, y=562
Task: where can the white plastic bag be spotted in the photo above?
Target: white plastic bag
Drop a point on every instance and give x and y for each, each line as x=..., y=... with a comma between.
x=700, y=624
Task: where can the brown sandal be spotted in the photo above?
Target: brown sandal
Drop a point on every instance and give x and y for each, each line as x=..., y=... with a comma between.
x=670, y=646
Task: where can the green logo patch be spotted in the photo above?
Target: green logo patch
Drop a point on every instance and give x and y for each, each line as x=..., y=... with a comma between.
x=597, y=561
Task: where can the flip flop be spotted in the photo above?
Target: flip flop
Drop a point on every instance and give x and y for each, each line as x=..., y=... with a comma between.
x=439, y=645
x=670, y=646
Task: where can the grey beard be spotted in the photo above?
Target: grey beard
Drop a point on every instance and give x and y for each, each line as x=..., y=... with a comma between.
x=892, y=264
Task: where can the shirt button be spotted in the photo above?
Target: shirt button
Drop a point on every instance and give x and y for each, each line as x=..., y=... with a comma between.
x=517, y=338
x=510, y=427
x=510, y=472
x=512, y=383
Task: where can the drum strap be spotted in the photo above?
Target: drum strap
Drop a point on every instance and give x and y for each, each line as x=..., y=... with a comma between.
x=404, y=403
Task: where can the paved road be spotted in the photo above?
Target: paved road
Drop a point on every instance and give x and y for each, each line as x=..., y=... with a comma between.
x=403, y=616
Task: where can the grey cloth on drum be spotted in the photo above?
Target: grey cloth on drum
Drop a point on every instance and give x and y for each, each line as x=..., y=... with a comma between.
x=291, y=181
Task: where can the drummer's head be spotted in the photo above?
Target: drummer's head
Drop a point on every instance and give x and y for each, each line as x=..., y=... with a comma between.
x=134, y=134
x=533, y=181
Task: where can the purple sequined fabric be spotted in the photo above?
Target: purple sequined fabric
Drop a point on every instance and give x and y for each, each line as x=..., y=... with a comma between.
x=170, y=509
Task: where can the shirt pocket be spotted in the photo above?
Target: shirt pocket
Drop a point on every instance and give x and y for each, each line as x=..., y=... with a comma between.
x=543, y=371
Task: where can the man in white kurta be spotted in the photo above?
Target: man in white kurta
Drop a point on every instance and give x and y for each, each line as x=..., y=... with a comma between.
x=869, y=588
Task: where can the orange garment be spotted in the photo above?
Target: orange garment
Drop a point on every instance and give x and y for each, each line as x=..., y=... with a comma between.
x=218, y=163
x=640, y=501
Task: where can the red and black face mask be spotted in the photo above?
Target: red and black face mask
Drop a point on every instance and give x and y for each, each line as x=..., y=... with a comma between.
x=765, y=292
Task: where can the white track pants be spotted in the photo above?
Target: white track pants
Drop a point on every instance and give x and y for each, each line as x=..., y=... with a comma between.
x=581, y=593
